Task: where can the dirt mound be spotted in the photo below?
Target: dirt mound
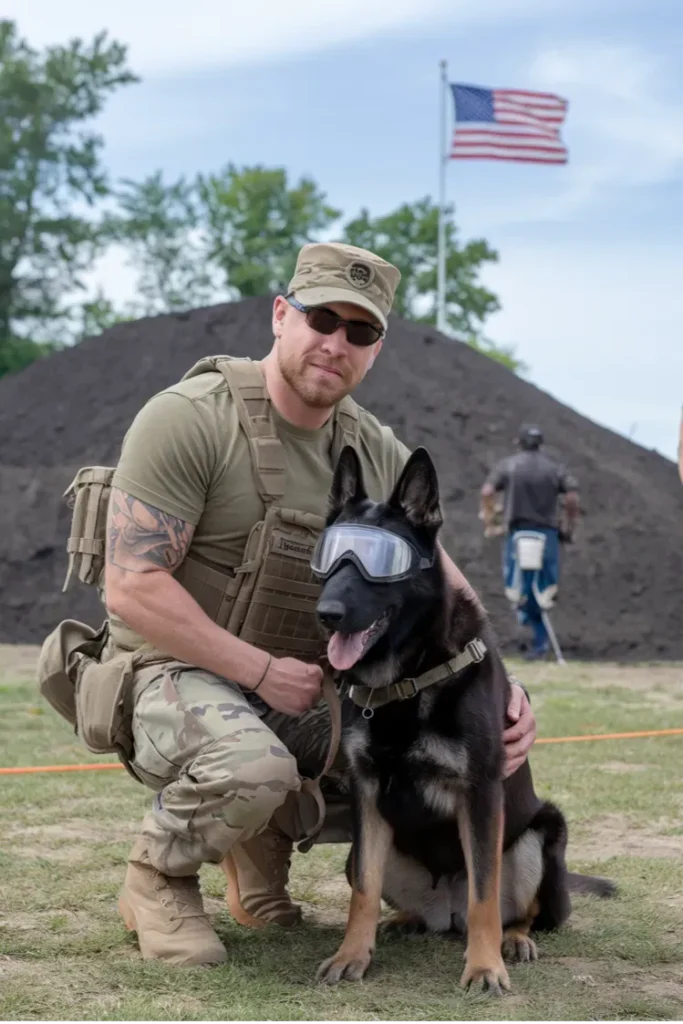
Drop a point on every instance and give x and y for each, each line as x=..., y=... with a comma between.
x=620, y=592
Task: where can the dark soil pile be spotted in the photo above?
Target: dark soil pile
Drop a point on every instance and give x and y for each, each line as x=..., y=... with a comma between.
x=620, y=593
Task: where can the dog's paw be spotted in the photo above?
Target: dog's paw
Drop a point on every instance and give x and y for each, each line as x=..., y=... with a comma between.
x=519, y=947
x=491, y=978
x=349, y=965
x=403, y=923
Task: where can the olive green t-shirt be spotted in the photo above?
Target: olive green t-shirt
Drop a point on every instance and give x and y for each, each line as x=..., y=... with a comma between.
x=186, y=454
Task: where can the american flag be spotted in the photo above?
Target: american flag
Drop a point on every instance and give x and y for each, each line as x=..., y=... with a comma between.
x=508, y=124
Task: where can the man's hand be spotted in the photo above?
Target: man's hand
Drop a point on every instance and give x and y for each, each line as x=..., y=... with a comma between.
x=520, y=735
x=291, y=686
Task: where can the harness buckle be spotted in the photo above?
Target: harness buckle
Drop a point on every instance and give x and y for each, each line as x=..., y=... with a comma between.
x=408, y=696
x=476, y=649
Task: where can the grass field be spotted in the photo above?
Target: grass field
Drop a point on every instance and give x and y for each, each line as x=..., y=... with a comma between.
x=64, y=953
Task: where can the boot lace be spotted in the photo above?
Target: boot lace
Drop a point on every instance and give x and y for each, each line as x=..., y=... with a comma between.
x=181, y=895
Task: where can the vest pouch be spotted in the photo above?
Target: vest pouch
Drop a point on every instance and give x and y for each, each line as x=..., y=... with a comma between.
x=275, y=606
x=236, y=605
x=88, y=496
x=214, y=590
x=58, y=663
x=104, y=703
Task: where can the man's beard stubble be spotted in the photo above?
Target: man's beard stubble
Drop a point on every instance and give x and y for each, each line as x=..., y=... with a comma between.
x=317, y=397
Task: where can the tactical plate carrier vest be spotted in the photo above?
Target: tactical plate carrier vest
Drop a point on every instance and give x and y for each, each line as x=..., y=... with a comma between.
x=269, y=600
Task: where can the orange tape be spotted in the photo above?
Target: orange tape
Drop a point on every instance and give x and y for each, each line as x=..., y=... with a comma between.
x=548, y=739
x=612, y=736
x=59, y=768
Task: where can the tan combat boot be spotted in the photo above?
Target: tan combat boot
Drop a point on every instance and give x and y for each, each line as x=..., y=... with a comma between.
x=258, y=871
x=167, y=914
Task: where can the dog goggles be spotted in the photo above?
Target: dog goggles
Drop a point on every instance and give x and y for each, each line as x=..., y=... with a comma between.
x=381, y=556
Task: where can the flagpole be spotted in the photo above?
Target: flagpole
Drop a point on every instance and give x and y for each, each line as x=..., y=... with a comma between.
x=443, y=158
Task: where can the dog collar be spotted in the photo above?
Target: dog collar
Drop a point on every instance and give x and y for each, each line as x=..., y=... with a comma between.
x=369, y=698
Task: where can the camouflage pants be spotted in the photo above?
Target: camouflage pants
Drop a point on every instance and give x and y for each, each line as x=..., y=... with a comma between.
x=221, y=764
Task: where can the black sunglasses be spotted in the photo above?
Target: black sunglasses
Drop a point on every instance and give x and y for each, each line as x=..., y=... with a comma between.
x=326, y=321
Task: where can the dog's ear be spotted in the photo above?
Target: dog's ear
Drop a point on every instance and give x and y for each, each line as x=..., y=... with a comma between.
x=416, y=493
x=347, y=483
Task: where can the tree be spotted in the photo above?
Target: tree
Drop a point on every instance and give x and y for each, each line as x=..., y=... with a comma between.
x=504, y=354
x=98, y=314
x=230, y=235
x=162, y=227
x=51, y=177
x=18, y=353
x=408, y=238
x=255, y=224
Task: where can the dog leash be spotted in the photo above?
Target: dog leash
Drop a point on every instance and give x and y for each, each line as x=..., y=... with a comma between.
x=312, y=786
x=334, y=706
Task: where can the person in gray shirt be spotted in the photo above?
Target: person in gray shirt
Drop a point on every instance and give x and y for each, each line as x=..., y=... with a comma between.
x=532, y=482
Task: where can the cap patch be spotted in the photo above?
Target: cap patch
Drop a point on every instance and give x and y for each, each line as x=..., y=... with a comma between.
x=360, y=275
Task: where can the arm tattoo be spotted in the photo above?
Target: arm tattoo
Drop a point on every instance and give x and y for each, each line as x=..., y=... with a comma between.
x=142, y=538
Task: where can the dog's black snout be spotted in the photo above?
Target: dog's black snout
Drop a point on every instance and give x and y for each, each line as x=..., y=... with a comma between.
x=331, y=612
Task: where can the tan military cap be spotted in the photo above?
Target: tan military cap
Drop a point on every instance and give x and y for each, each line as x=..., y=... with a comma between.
x=334, y=272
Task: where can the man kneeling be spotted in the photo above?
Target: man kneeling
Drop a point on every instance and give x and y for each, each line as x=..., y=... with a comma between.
x=217, y=500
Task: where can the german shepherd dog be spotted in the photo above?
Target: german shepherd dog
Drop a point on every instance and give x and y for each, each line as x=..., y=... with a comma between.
x=436, y=832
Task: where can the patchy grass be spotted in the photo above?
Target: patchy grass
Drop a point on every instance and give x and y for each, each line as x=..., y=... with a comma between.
x=64, y=953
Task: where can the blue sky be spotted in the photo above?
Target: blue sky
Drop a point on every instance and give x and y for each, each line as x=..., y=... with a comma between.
x=591, y=264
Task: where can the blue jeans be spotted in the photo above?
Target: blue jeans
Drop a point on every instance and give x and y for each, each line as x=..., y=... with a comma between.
x=528, y=612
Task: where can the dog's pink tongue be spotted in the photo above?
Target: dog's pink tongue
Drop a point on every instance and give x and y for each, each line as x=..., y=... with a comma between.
x=343, y=651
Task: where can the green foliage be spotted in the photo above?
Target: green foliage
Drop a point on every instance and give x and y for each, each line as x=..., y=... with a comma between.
x=51, y=177
x=160, y=227
x=97, y=315
x=229, y=235
x=256, y=223
x=18, y=353
x=504, y=354
x=408, y=238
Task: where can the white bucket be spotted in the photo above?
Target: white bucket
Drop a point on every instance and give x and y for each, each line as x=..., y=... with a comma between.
x=530, y=551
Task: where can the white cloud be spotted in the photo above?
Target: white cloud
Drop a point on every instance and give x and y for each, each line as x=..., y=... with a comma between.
x=622, y=99
x=624, y=126
x=600, y=327
x=175, y=36
x=624, y=130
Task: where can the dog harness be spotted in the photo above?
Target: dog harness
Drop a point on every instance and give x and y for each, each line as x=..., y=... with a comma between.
x=369, y=697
